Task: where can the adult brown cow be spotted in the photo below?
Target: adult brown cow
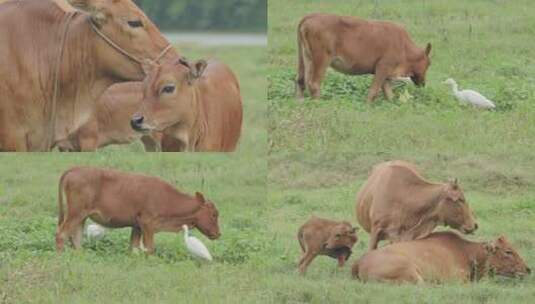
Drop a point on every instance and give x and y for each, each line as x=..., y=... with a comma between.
x=440, y=257
x=199, y=104
x=48, y=48
x=117, y=199
x=356, y=46
x=396, y=203
x=110, y=122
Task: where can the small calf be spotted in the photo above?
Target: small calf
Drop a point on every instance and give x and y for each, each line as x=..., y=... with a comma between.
x=319, y=236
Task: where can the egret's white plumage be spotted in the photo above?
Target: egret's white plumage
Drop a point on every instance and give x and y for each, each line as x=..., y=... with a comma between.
x=94, y=231
x=470, y=96
x=195, y=246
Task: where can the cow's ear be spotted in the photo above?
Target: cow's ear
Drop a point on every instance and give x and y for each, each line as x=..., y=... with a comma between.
x=501, y=239
x=200, y=197
x=80, y=4
x=97, y=15
x=454, y=183
x=428, y=49
x=197, y=69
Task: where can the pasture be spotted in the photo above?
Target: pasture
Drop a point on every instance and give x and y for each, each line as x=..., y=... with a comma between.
x=105, y=271
x=484, y=45
x=248, y=63
x=501, y=194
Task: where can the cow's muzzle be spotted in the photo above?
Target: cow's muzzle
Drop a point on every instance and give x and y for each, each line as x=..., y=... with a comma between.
x=137, y=123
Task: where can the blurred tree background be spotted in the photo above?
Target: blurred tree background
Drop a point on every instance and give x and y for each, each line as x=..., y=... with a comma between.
x=213, y=15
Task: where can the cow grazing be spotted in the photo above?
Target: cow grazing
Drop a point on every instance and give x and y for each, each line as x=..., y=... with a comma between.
x=49, y=46
x=319, y=236
x=440, y=257
x=356, y=46
x=116, y=199
x=397, y=204
x=199, y=104
x=110, y=122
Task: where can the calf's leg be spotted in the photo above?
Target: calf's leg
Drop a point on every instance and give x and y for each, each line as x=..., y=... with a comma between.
x=148, y=239
x=387, y=90
x=376, y=235
x=135, y=238
x=315, y=72
x=68, y=230
x=378, y=82
x=306, y=259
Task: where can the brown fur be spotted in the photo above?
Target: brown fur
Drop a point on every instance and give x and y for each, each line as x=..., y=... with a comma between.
x=110, y=122
x=117, y=199
x=356, y=46
x=396, y=203
x=440, y=257
x=30, y=33
x=204, y=113
x=319, y=236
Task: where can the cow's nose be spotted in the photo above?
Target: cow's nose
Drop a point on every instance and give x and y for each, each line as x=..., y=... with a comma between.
x=137, y=122
x=475, y=226
x=528, y=269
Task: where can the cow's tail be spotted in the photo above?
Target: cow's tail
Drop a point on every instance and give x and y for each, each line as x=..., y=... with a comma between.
x=60, y=198
x=300, y=81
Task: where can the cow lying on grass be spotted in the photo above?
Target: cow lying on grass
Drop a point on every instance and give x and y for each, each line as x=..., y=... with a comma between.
x=110, y=122
x=116, y=199
x=397, y=204
x=319, y=236
x=440, y=257
x=357, y=46
x=198, y=104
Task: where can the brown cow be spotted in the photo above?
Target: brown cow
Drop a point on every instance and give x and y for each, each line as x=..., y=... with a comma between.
x=319, y=236
x=440, y=257
x=31, y=35
x=356, y=46
x=396, y=203
x=199, y=104
x=110, y=122
x=116, y=199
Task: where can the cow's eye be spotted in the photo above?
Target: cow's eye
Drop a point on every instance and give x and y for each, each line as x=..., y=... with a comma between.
x=135, y=23
x=168, y=89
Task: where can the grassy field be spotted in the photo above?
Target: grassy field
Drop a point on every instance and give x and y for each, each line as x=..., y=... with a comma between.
x=105, y=271
x=249, y=65
x=484, y=45
x=501, y=194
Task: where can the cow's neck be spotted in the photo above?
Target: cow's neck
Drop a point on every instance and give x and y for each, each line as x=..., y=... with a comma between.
x=427, y=215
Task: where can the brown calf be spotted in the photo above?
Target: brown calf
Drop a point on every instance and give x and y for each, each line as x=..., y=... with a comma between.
x=117, y=199
x=440, y=257
x=319, y=236
x=357, y=46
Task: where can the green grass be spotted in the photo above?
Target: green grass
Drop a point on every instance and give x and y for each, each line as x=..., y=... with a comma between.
x=501, y=193
x=105, y=271
x=249, y=65
x=485, y=45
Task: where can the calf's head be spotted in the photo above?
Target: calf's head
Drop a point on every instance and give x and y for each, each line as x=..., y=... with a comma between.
x=453, y=209
x=130, y=29
x=169, y=96
x=504, y=260
x=206, y=218
x=420, y=66
x=341, y=235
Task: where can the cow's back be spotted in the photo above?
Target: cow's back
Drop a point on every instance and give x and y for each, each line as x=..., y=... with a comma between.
x=387, y=183
x=222, y=106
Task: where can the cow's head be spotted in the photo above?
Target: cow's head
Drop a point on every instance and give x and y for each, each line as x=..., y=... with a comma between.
x=420, y=66
x=206, y=218
x=169, y=96
x=341, y=235
x=504, y=260
x=454, y=210
x=130, y=29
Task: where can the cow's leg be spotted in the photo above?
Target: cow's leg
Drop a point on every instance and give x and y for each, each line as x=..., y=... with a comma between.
x=387, y=89
x=316, y=72
x=148, y=239
x=378, y=82
x=67, y=230
x=376, y=236
x=135, y=238
x=307, y=258
x=78, y=235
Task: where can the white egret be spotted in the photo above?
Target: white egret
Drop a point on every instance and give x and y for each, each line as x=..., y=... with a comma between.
x=195, y=246
x=94, y=231
x=470, y=96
